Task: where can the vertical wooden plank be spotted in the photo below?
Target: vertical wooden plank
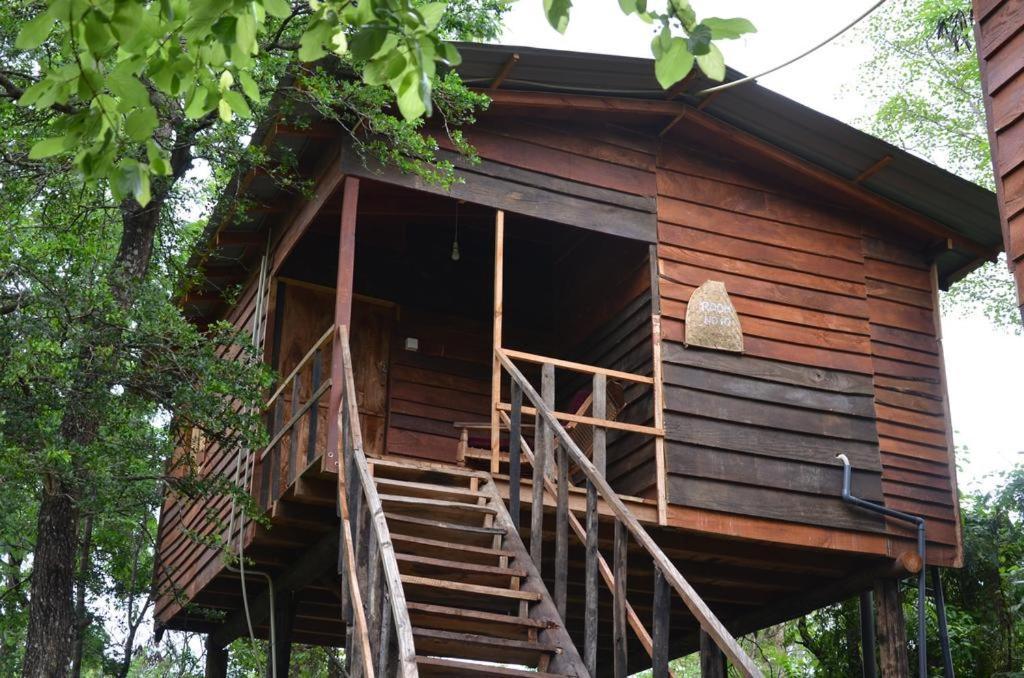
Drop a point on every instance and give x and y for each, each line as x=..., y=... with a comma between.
x=515, y=452
x=599, y=409
x=293, y=437
x=867, y=635
x=499, y=278
x=619, y=650
x=712, y=659
x=314, y=410
x=279, y=661
x=385, y=657
x=374, y=587
x=661, y=618
x=562, y=532
x=660, y=463
x=342, y=310
x=542, y=451
x=591, y=620
x=891, y=628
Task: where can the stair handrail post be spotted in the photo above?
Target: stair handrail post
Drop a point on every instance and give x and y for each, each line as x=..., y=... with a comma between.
x=354, y=472
x=707, y=619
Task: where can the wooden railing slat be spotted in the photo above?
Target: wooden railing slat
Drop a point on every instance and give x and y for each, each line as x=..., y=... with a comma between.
x=293, y=441
x=301, y=364
x=619, y=648
x=562, y=532
x=599, y=409
x=591, y=619
x=575, y=367
x=314, y=419
x=591, y=421
x=514, y=452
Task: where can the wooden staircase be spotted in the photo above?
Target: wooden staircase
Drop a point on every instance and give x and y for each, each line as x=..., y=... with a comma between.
x=472, y=592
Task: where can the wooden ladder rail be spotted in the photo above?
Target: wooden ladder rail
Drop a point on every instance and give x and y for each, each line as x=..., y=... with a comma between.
x=667, y=576
x=373, y=600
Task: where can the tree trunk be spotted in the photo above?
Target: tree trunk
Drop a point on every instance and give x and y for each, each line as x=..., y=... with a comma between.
x=52, y=612
x=81, y=613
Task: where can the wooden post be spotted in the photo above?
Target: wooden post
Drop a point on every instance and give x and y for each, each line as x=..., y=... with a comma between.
x=562, y=532
x=278, y=662
x=342, y=310
x=712, y=659
x=216, y=660
x=590, y=621
x=499, y=277
x=660, y=463
x=542, y=453
x=867, y=635
x=661, y=619
x=599, y=410
x=515, y=439
x=892, y=631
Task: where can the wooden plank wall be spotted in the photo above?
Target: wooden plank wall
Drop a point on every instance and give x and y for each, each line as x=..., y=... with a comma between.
x=185, y=564
x=1000, y=45
x=838, y=329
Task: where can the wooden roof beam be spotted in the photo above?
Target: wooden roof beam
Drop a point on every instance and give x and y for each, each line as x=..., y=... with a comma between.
x=874, y=169
x=503, y=73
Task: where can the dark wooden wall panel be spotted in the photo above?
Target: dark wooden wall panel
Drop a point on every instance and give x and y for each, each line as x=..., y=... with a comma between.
x=999, y=30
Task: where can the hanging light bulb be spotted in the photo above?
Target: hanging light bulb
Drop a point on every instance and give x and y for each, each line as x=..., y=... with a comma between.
x=455, y=240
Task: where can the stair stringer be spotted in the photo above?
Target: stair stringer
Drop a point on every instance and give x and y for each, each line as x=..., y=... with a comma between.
x=568, y=661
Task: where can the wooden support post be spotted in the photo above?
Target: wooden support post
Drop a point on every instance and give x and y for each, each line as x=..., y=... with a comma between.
x=562, y=532
x=216, y=660
x=499, y=277
x=712, y=659
x=892, y=631
x=342, y=310
x=293, y=439
x=619, y=559
x=279, y=661
x=660, y=462
x=867, y=635
x=599, y=410
x=314, y=416
x=662, y=608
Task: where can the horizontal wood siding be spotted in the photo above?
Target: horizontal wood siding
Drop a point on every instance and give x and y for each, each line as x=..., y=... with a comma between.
x=918, y=473
x=840, y=357
x=1000, y=44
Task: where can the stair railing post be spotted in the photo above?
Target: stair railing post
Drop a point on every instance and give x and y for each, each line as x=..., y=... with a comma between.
x=314, y=416
x=515, y=452
x=542, y=451
x=590, y=622
x=660, y=621
x=562, y=532
x=599, y=410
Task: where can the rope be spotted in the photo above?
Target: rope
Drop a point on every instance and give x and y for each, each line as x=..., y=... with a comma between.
x=751, y=78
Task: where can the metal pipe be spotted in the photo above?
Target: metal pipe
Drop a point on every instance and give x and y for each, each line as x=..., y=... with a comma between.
x=940, y=615
x=922, y=619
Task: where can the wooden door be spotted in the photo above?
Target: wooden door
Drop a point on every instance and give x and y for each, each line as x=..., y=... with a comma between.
x=372, y=326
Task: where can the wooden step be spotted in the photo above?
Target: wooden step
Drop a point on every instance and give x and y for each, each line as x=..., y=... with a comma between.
x=481, y=648
x=436, y=666
x=425, y=615
x=469, y=596
x=442, y=530
x=425, y=472
x=437, y=548
x=454, y=570
x=411, y=488
x=437, y=509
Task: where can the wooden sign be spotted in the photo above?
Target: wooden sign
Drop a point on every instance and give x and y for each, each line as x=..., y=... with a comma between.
x=711, y=320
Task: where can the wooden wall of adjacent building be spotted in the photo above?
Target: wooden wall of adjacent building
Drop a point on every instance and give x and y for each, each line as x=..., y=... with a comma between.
x=1000, y=45
x=841, y=356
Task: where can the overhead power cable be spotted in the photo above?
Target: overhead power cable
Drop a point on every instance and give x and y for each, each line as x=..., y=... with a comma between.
x=751, y=78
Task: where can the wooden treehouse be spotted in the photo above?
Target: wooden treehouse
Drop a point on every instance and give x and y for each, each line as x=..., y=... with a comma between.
x=587, y=410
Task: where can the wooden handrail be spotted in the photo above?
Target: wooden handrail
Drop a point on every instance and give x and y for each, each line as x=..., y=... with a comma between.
x=296, y=416
x=576, y=367
x=591, y=421
x=355, y=472
x=302, y=363
x=709, y=623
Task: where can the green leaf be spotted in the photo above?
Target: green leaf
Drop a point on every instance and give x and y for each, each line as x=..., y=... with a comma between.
x=249, y=86
x=127, y=88
x=224, y=110
x=410, y=102
x=195, y=106
x=432, y=13
x=311, y=43
x=35, y=32
x=33, y=92
x=245, y=33
x=277, y=8
x=627, y=6
x=673, y=64
x=339, y=42
x=226, y=80
x=238, y=104
x=368, y=42
x=50, y=147
x=557, y=12
x=728, y=29
x=140, y=123
x=699, y=41
x=712, y=63
x=157, y=158
x=449, y=55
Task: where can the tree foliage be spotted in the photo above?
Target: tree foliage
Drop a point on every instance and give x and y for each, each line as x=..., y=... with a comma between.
x=924, y=81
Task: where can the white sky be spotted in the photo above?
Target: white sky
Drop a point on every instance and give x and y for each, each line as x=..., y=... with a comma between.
x=983, y=363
